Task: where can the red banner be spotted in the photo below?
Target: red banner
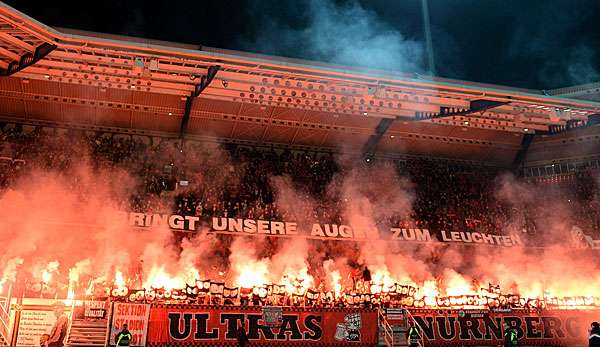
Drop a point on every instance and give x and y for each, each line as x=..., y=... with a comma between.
x=186, y=325
x=565, y=328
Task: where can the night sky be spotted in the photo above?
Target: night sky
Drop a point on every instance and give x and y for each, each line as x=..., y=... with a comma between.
x=540, y=44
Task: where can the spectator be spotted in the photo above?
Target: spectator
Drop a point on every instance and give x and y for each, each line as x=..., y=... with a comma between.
x=594, y=338
x=123, y=338
x=242, y=337
x=511, y=338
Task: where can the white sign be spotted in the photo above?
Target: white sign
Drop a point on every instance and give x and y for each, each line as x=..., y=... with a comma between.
x=136, y=318
x=32, y=325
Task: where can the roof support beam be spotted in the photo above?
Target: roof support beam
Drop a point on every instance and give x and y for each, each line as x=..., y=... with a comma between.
x=382, y=127
x=522, y=152
x=28, y=59
x=9, y=54
x=574, y=124
x=189, y=101
x=479, y=105
x=15, y=41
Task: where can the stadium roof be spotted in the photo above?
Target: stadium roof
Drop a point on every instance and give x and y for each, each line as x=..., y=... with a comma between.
x=590, y=91
x=98, y=81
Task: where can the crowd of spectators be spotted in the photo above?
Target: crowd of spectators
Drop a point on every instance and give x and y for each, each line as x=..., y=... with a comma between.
x=209, y=179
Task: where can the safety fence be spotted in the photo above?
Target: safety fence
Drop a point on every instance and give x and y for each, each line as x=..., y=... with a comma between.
x=385, y=329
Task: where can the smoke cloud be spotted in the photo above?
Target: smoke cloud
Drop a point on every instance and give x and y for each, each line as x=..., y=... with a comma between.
x=43, y=236
x=340, y=33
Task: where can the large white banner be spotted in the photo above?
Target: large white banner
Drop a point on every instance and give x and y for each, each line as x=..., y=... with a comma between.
x=318, y=231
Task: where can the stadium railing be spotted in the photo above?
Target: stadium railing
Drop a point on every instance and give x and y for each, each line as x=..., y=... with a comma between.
x=385, y=328
x=5, y=314
x=410, y=318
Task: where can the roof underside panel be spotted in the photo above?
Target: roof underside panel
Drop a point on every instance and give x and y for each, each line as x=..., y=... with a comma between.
x=43, y=110
x=40, y=87
x=496, y=155
x=10, y=84
x=283, y=113
x=168, y=103
x=117, y=95
x=113, y=118
x=137, y=84
x=216, y=106
x=249, y=131
x=576, y=144
x=346, y=141
x=77, y=91
x=161, y=122
x=429, y=130
x=11, y=107
x=278, y=134
x=212, y=128
x=79, y=114
x=310, y=137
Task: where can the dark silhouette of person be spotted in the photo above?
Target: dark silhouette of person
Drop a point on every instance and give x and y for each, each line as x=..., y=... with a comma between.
x=594, y=340
x=511, y=337
x=123, y=338
x=413, y=335
x=242, y=337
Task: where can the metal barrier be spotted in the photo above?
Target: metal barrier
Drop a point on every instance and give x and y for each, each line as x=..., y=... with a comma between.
x=384, y=326
x=109, y=327
x=4, y=317
x=71, y=319
x=87, y=328
x=5, y=314
x=411, y=319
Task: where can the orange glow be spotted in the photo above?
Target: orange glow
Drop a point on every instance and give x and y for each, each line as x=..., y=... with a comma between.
x=51, y=268
x=451, y=290
x=383, y=279
x=46, y=276
x=336, y=282
x=253, y=275
x=119, y=279
x=159, y=278
x=70, y=293
x=457, y=285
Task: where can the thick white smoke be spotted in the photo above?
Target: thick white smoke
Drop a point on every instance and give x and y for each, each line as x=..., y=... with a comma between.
x=345, y=34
